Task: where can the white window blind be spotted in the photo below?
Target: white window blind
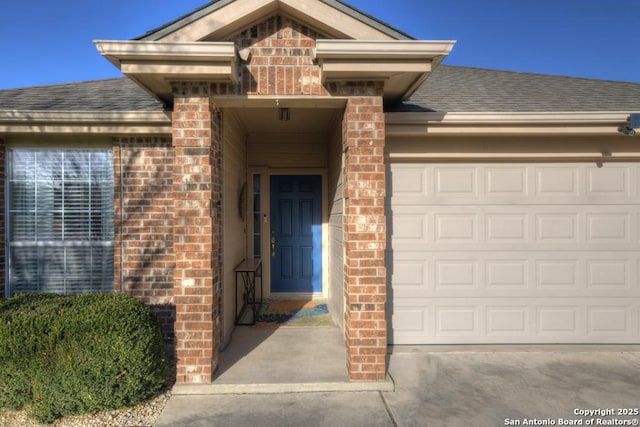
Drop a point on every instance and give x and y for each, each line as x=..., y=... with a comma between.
x=60, y=218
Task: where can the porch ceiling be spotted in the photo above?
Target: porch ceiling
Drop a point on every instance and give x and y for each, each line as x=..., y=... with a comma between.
x=302, y=120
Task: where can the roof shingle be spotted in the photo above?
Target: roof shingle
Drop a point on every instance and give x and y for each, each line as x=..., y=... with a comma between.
x=120, y=94
x=465, y=89
x=448, y=89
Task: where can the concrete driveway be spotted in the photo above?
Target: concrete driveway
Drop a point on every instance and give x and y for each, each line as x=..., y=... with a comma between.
x=447, y=387
x=505, y=386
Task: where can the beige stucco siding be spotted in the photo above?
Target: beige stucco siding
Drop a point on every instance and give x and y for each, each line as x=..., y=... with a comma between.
x=288, y=150
x=511, y=147
x=336, y=228
x=235, y=229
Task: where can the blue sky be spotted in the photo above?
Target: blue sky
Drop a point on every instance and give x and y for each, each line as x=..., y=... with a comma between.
x=48, y=42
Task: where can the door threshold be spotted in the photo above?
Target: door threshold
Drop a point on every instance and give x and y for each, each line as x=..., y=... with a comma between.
x=296, y=296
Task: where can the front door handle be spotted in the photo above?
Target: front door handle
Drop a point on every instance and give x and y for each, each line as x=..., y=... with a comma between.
x=273, y=246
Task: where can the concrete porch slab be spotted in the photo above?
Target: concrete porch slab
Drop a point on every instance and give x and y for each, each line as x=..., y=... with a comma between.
x=283, y=360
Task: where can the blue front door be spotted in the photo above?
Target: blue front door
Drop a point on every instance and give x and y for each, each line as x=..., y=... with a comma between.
x=296, y=234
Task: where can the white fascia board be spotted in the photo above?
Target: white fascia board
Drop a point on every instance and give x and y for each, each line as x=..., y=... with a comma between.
x=136, y=122
x=457, y=124
x=166, y=51
x=382, y=49
x=153, y=65
x=532, y=118
x=406, y=62
x=84, y=116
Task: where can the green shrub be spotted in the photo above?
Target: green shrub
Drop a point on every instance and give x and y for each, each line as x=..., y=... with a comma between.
x=65, y=355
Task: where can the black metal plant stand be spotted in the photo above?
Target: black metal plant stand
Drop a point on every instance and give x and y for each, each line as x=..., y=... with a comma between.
x=247, y=272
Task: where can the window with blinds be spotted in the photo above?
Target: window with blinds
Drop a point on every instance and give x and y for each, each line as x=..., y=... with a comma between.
x=60, y=221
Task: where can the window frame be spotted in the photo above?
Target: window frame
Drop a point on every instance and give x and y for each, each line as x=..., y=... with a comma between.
x=79, y=243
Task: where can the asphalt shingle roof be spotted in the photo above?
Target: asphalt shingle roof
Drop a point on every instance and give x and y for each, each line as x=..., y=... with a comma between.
x=119, y=94
x=448, y=89
x=463, y=89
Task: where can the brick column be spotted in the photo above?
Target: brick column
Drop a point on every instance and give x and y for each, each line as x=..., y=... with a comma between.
x=196, y=296
x=365, y=238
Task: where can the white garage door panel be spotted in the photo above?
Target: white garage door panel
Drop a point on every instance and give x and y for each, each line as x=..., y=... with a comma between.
x=515, y=320
x=514, y=253
x=502, y=184
x=583, y=227
x=518, y=274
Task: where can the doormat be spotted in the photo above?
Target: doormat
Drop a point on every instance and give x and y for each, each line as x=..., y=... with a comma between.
x=293, y=313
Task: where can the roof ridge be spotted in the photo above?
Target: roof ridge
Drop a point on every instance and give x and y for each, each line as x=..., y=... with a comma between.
x=371, y=17
x=52, y=85
x=180, y=18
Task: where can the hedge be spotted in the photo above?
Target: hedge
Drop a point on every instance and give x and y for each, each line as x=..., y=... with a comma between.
x=66, y=355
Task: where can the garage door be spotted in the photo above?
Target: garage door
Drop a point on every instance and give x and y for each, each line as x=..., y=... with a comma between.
x=514, y=253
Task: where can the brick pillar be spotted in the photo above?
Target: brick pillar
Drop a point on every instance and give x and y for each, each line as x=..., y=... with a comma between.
x=365, y=238
x=196, y=296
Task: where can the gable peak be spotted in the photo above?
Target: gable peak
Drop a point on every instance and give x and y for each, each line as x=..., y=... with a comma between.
x=221, y=18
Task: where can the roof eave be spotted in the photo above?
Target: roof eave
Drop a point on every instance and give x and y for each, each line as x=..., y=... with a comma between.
x=85, y=122
x=417, y=124
x=154, y=65
x=402, y=64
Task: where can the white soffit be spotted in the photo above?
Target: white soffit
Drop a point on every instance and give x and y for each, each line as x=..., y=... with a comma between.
x=402, y=64
x=154, y=65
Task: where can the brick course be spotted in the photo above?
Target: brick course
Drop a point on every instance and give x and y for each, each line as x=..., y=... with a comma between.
x=197, y=232
x=168, y=204
x=281, y=60
x=280, y=64
x=144, y=258
x=365, y=234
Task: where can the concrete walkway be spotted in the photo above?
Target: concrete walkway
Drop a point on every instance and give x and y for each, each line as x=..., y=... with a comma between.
x=282, y=360
x=434, y=386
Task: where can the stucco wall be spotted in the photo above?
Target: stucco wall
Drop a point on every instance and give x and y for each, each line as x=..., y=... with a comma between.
x=288, y=150
x=526, y=147
x=235, y=229
x=336, y=229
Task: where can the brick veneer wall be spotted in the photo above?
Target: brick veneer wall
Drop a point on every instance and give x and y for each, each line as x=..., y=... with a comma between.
x=198, y=222
x=365, y=277
x=143, y=248
x=281, y=63
x=281, y=60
